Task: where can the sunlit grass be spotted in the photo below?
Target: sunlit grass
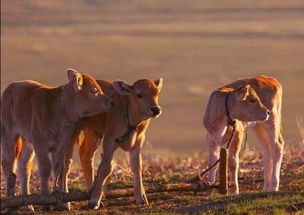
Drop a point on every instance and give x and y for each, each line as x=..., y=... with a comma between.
x=275, y=203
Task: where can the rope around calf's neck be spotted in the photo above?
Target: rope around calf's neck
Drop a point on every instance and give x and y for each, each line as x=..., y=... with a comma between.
x=131, y=128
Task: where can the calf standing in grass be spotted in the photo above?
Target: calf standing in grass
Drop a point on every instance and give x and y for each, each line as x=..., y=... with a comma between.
x=124, y=126
x=256, y=101
x=44, y=117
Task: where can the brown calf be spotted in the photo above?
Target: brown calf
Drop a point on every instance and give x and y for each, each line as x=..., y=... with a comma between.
x=124, y=126
x=44, y=117
x=255, y=101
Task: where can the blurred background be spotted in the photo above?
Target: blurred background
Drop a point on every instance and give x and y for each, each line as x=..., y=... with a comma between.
x=196, y=46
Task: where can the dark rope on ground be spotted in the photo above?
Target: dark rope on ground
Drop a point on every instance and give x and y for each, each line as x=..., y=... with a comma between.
x=230, y=122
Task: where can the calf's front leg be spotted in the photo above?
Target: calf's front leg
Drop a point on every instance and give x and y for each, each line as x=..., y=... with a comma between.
x=233, y=161
x=44, y=165
x=104, y=171
x=63, y=174
x=62, y=161
x=136, y=167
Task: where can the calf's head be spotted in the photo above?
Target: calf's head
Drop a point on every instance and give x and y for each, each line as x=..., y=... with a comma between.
x=84, y=96
x=143, y=95
x=247, y=106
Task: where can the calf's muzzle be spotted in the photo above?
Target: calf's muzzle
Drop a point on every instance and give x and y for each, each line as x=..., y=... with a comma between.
x=156, y=110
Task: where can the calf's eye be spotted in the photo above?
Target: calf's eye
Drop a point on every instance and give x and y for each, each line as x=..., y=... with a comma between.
x=94, y=91
x=138, y=95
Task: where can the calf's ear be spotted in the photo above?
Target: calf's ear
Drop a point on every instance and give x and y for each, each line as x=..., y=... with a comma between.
x=242, y=93
x=76, y=78
x=122, y=87
x=159, y=84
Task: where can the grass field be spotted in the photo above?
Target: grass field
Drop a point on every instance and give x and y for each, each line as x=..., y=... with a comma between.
x=196, y=46
x=178, y=169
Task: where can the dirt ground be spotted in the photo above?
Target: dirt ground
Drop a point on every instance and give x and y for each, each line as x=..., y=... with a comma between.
x=170, y=170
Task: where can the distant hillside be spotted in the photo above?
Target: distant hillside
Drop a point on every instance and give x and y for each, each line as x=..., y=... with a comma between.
x=196, y=46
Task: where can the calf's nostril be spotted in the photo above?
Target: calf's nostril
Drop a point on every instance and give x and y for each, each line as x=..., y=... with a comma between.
x=155, y=110
x=268, y=112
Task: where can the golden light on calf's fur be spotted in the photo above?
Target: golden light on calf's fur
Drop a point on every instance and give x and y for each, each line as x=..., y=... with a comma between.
x=82, y=106
x=123, y=126
x=256, y=100
x=44, y=117
x=134, y=106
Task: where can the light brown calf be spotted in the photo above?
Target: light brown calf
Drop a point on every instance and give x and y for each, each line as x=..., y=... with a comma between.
x=124, y=126
x=252, y=102
x=44, y=117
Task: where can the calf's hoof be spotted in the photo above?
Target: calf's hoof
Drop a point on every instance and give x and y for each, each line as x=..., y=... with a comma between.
x=273, y=189
x=28, y=208
x=233, y=190
x=142, y=199
x=95, y=204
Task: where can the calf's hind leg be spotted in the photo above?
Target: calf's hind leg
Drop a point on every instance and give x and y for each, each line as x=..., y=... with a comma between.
x=213, y=156
x=24, y=168
x=276, y=147
x=87, y=150
x=11, y=148
x=262, y=135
